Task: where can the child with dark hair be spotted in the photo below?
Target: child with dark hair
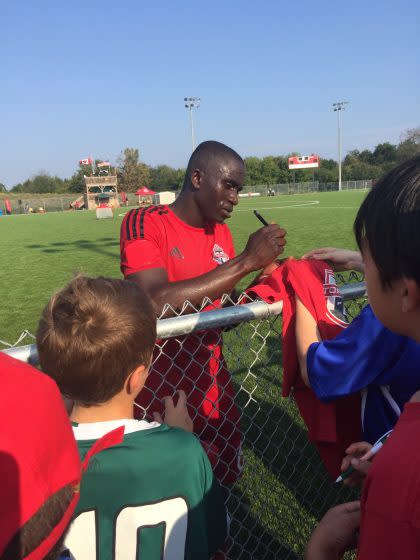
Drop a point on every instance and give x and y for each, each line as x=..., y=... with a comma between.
x=365, y=358
x=154, y=491
x=387, y=230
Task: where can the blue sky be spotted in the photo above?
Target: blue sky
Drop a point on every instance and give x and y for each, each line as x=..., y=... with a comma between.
x=82, y=78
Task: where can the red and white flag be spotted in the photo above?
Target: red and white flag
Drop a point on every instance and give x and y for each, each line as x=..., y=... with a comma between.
x=87, y=161
x=103, y=164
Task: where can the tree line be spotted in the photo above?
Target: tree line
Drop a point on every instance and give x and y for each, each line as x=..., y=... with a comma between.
x=270, y=170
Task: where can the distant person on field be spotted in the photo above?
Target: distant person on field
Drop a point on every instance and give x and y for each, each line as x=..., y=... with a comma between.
x=124, y=200
x=366, y=357
x=184, y=252
x=387, y=229
x=39, y=464
x=153, y=492
x=8, y=206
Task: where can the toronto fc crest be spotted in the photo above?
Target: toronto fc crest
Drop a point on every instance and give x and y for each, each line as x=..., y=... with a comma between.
x=219, y=255
x=335, y=304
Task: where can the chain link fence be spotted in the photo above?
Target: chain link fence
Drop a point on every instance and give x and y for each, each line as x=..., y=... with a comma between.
x=60, y=203
x=284, y=489
x=36, y=204
x=307, y=187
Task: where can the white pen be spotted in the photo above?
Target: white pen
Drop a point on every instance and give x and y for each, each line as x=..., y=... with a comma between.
x=372, y=451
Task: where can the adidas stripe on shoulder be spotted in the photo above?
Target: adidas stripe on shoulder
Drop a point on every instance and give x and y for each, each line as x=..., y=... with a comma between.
x=134, y=221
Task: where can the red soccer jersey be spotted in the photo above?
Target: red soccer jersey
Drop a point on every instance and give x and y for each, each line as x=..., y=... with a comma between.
x=390, y=526
x=331, y=426
x=155, y=237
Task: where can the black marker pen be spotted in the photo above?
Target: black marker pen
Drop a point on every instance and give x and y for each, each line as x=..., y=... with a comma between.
x=262, y=220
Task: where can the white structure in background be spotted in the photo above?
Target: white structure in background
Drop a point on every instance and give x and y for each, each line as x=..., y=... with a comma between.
x=165, y=197
x=103, y=213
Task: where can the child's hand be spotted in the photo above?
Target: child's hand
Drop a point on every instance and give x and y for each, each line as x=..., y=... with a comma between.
x=341, y=259
x=177, y=415
x=355, y=452
x=336, y=532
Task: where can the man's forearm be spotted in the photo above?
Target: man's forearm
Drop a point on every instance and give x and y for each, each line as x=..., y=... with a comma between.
x=263, y=246
x=221, y=280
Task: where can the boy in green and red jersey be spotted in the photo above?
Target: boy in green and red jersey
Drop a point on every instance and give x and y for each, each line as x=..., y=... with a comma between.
x=155, y=492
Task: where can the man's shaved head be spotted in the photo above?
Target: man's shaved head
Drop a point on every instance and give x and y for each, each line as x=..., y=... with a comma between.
x=213, y=180
x=207, y=154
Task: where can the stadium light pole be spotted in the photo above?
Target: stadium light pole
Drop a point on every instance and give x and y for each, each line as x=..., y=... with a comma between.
x=338, y=107
x=190, y=103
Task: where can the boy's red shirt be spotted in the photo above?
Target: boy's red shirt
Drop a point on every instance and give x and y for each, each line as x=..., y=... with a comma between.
x=390, y=523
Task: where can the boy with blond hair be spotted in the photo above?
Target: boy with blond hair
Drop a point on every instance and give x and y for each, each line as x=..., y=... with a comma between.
x=153, y=493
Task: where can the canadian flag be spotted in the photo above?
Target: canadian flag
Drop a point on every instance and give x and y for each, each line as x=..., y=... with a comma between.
x=103, y=164
x=87, y=161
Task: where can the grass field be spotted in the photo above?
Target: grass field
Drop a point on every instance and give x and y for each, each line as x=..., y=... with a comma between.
x=41, y=252
x=284, y=489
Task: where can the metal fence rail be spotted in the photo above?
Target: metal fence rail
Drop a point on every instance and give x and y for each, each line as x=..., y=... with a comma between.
x=284, y=489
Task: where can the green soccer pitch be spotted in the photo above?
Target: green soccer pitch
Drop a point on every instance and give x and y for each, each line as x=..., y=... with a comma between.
x=41, y=252
x=284, y=489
